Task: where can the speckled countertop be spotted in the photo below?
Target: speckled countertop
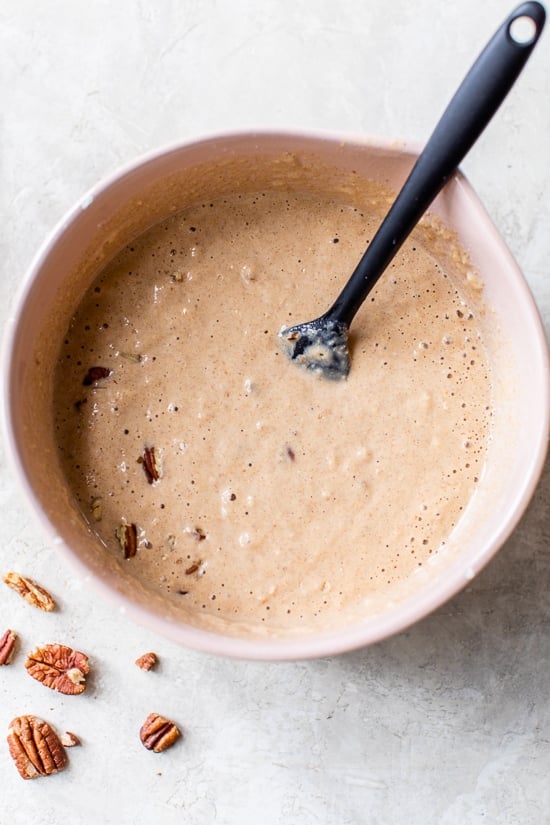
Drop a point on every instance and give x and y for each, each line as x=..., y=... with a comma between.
x=447, y=723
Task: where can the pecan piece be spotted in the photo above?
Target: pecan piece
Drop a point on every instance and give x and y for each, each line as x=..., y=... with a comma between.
x=69, y=739
x=193, y=568
x=95, y=374
x=147, y=661
x=7, y=647
x=136, y=357
x=59, y=667
x=32, y=592
x=196, y=532
x=150, y=465
x=158, y=733
x=96, y=508
x=35, y=747
x=127, y=538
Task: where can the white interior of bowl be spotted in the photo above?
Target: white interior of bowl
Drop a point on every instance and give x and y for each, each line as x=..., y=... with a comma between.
x=148, y=191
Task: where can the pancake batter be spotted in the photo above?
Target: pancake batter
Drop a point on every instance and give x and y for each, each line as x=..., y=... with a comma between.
x=226, y=475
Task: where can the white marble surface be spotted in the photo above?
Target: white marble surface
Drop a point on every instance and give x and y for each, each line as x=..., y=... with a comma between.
x=448, y=723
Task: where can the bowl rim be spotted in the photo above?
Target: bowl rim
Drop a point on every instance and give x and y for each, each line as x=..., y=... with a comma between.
x=285, y=648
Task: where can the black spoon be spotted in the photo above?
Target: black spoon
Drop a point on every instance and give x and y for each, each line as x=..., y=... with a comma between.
x=322, y=345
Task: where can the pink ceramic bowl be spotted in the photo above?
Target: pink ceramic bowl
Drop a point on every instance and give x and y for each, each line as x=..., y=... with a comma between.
x=156, y=186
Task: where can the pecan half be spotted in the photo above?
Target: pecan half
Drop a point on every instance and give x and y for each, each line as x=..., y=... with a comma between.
x=95, y=374
x=147, y=661
x=158, y=733
x=35, y=747
x=32, y=592
x=59, y=667
x=7, y=647
x=150, y=465
x=127, y=538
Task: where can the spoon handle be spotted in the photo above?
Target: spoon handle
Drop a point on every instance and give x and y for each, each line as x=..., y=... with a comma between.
x=472, y=107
